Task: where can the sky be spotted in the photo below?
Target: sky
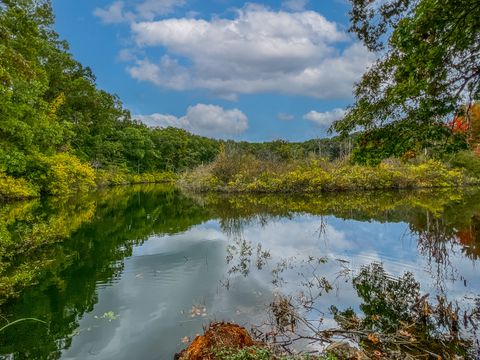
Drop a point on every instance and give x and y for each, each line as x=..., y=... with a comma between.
x=255, y=71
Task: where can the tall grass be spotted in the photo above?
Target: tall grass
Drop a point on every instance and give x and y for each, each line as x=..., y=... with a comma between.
x=234, y=172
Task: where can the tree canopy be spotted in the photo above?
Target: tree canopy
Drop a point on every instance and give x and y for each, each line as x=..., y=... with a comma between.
x=55, y=120
x=428, y=62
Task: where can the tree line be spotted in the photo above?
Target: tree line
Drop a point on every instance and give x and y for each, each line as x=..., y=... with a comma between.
x=51, y=111
x=57, y=127
x=58, y=130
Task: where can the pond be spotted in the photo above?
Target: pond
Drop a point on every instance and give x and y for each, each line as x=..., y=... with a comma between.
x=136, y=272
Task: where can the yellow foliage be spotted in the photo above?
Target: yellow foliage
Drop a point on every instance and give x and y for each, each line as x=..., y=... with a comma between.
x=248, y=174
x=56, y=104
x=11, y=188
x=64, y=174
x=23, y=231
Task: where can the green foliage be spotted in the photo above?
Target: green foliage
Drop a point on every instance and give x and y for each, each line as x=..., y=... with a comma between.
x=248, y=353
x=428, y=63
x=281, y=151
x=13, y=162
x=55, y=125
x=263, y=353
x=178, y=150
x=466, y=160
x=406, y=140
x=117, y=176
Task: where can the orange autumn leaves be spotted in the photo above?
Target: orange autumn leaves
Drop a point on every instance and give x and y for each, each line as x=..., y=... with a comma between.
x=469, y=123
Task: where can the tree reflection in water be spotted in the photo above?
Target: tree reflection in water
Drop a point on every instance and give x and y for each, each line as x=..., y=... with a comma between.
x=396, y=319
x=89, y=238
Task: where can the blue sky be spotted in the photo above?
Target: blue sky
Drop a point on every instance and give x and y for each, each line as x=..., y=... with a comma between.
x=224, y=68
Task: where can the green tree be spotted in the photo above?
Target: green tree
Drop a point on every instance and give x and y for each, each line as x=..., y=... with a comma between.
x=428, y=62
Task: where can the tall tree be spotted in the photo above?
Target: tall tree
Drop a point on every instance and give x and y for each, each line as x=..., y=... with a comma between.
x=428, y=61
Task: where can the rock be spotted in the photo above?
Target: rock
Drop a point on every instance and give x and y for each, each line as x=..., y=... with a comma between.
x=218, y=335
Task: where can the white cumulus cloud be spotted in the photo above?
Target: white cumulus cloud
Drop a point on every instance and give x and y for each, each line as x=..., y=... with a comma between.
x=201, y=119
x=149, y=9
x=259, y=50
x=131, y=11
x=325, y=119
x=295, y=5
x=112, y=14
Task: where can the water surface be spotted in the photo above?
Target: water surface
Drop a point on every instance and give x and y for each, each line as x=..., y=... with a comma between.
x=140, y=270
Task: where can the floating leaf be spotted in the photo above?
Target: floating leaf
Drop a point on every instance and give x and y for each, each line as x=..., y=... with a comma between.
x=373, y=338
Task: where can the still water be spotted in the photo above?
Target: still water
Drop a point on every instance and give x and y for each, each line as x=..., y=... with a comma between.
x=136, y=272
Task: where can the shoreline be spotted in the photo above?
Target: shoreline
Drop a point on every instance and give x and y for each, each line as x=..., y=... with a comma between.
x=231, y=191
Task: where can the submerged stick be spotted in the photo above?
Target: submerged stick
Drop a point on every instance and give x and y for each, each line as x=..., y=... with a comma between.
x=21, y=320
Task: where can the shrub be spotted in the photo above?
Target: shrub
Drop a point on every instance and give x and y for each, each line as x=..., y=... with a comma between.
x=12, y=162
x=467, y=160
x=11, y=188
x=61, y=174
x=253, y=175
x=120, y=176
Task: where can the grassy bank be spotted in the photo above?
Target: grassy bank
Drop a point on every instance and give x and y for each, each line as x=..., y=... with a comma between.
x=60, y=179
x=246, y=173
x=65, y=176
x=106, y=178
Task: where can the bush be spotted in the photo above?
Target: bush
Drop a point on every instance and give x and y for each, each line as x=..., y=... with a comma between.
x=61, y=174
x=309, y=176
x=11, y=188
x=12, y=162
x=119, y=176
x=467, y=160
